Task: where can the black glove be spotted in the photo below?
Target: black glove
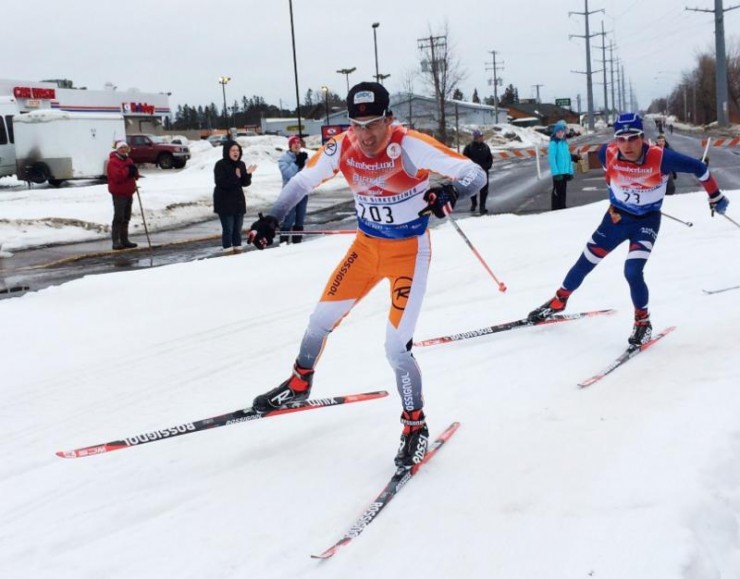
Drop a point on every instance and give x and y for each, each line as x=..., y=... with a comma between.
x=705, y=160
x=262, y=231
x=132, y=171
x=440, y=201
x=300, y=159
x=575, y=158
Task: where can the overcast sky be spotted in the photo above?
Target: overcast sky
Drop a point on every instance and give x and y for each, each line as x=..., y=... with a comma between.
x=183, y=46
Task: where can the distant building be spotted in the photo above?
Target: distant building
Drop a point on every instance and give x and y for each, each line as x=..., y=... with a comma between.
x=418, y=112
x=143, y=112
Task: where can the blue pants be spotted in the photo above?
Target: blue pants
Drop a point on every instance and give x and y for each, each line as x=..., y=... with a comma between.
x=231, y=229
x=641, y=231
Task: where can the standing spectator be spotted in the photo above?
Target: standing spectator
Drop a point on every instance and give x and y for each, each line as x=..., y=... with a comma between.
x=635, y=175
x=290, y=163
x=480, y=153
x=122, y=176
x=230, y=175
x=387, y=167
x=670, y=187
x=561, y=165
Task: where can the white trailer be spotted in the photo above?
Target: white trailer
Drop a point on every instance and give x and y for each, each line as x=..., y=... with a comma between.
x=8, y=108
x=54, y=146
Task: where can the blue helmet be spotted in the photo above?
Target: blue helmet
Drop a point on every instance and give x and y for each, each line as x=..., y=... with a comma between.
x=628, y=123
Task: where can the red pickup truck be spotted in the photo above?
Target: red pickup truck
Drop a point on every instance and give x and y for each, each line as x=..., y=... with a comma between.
x=154, y=149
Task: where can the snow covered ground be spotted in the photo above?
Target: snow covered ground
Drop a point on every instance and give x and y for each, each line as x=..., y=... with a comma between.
x=636, y=477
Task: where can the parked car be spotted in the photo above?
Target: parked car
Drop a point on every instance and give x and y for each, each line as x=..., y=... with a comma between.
x=217, y=140
x=154, y=149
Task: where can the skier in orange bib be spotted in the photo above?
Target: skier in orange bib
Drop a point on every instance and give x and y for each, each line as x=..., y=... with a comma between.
x=387, y=168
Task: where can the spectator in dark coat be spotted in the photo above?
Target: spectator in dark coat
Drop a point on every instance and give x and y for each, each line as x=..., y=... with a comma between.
x=230, y=175
x=480, y=153
x=122, y=175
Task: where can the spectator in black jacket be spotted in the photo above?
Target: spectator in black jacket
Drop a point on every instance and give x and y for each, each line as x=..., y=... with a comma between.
x=480, y=153
x=230, y=175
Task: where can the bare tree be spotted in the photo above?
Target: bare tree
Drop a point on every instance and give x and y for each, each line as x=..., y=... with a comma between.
x=441, y=71
x=407, y=88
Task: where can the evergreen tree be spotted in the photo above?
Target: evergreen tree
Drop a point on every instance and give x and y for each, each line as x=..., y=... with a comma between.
x=475, y=98
x=511, y=96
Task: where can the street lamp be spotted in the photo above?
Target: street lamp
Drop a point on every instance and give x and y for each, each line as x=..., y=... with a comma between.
x=325, y=90
x=295, y=71
x=346, y=72
x=375, y=40
x=223, y=81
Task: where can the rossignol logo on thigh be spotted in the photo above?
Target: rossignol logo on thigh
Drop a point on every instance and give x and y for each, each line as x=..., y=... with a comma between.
x=341, y=273
x=648, y=231
x=400, y=292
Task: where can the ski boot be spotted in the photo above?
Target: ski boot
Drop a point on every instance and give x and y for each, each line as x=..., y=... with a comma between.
x=642, y=330
x=297, y=388
x=414, y=439
x=553, y=306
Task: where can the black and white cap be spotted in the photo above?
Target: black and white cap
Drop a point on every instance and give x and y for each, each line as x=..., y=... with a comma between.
x=368, y=99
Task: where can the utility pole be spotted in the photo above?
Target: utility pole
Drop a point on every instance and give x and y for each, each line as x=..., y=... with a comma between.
x=603, y=48
x=537, y=88
x=624, y=89
x=611, y=66
x=495, y=68
x=721, y=59
x=589, y=83
x=437, y=43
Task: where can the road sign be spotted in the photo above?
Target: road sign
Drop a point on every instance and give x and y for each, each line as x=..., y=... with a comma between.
x=562, y=102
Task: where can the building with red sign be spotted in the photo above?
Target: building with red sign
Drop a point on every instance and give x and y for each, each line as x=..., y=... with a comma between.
x=143, y=112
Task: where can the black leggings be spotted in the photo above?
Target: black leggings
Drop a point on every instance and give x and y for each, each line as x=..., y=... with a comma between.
x=122, y=209
x=558, y=194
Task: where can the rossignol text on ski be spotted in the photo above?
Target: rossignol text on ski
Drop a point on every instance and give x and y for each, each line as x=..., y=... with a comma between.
x=523, y=323
x=244, y=415
x=397, y=482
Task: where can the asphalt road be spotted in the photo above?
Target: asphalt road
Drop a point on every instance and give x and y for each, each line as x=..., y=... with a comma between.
x=515, y=187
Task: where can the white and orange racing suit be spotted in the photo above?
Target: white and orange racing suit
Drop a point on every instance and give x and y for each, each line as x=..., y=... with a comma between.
x=392, y=241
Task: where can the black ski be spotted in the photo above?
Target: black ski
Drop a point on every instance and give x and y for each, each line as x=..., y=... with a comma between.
x=244, y=415
x=523, y=323
x=627, y=355
x=397, y=482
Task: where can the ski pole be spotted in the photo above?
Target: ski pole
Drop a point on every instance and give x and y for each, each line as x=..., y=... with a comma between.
x=501, y=285
x=686, y=223
x=704, y=156
x=319, y=232
x=730, y=219
x=146, y=229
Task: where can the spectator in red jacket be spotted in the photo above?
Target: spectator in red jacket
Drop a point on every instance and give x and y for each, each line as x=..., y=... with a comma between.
x=122, y=176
